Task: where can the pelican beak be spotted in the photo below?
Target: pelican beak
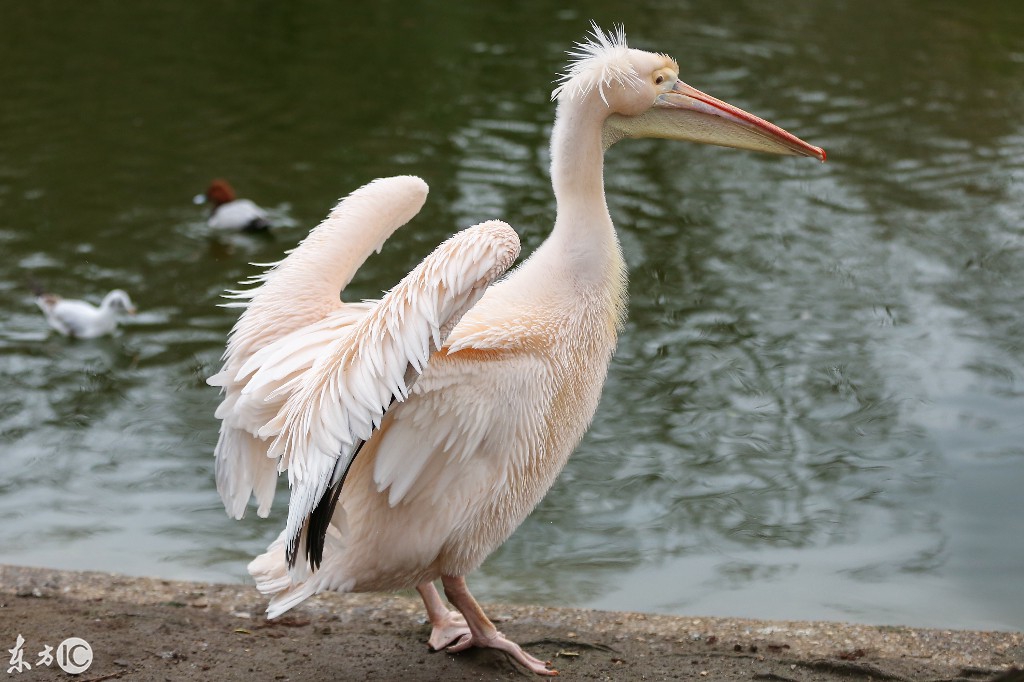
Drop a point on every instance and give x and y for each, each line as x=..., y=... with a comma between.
x=685, y=113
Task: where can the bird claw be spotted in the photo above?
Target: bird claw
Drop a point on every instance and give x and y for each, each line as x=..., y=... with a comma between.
x=450, y=628
x=465, y=642
x=501, y=643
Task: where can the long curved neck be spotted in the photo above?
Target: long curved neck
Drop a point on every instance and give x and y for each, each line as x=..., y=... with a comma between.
x=577, y=159
x=583, y=236
x=578, y=274
x=107, y=305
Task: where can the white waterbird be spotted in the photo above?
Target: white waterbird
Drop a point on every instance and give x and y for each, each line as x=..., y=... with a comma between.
x=81, y=319
x=418, y=431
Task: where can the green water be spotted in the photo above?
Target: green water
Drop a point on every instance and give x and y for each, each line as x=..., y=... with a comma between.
x=817, y=406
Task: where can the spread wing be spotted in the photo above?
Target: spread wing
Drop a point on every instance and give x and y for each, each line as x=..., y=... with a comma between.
x=292, y=314
x=331, y=409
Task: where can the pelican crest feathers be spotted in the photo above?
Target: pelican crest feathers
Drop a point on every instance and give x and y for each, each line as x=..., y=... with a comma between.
x=599, y=62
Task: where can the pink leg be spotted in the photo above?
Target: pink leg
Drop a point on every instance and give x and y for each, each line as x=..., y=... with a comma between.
x=482, y=632
x=448, y=626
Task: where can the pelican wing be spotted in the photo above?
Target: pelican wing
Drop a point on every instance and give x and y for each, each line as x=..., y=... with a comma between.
x=456, y=429
x=441, y=449
x=332, y=408
x=289, y=318
x=242, y=465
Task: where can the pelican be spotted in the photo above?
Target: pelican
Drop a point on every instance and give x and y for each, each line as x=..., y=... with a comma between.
x=81, y=319
x=229, y=213
x=418, y=431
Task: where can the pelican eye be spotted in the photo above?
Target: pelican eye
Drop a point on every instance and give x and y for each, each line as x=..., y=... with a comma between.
x=659, y=80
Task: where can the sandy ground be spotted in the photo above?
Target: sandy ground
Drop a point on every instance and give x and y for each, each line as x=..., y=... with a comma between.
x=150, y=629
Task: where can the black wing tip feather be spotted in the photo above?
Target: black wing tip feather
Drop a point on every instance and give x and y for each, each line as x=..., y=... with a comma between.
x=315, y=529
x=316, y=526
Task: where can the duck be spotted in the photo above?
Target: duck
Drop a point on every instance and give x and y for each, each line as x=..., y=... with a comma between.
x=229, y=213
x=82, y=320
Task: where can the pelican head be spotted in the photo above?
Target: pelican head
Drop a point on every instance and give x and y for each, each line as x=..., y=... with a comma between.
x=642, y=96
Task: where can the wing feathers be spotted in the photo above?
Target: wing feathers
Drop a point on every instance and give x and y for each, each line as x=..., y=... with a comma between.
x=457, y=428
x=344, y=395
x=290, y=316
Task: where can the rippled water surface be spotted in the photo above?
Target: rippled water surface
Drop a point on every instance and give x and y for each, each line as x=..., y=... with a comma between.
x=817, y=405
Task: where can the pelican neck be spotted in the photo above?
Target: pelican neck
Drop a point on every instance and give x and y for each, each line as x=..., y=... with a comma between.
x=583, y=234
x=577, y=157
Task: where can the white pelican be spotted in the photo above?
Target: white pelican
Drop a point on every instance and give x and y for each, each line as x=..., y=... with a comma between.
x=229, y=213
x=415, y=442
x=83, y=320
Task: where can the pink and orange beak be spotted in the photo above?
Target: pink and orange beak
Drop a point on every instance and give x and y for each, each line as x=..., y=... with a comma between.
x=685, y=113
x=779, y=141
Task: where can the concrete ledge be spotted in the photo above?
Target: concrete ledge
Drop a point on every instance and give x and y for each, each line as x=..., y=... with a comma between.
x=152, y=629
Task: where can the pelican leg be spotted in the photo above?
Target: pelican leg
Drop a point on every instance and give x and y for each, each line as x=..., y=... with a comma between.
x=482, y=632
x=448, y=626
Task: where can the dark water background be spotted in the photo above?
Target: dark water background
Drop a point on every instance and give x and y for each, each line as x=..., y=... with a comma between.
x=816, y=409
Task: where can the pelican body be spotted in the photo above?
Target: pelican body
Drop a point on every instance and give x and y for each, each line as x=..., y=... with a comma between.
x=418, y=431
x=81, y=319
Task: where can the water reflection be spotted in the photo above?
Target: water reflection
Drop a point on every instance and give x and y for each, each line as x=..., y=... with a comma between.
x=814, y=409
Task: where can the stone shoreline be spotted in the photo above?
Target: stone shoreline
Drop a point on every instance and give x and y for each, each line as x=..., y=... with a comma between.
x=153, y=629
